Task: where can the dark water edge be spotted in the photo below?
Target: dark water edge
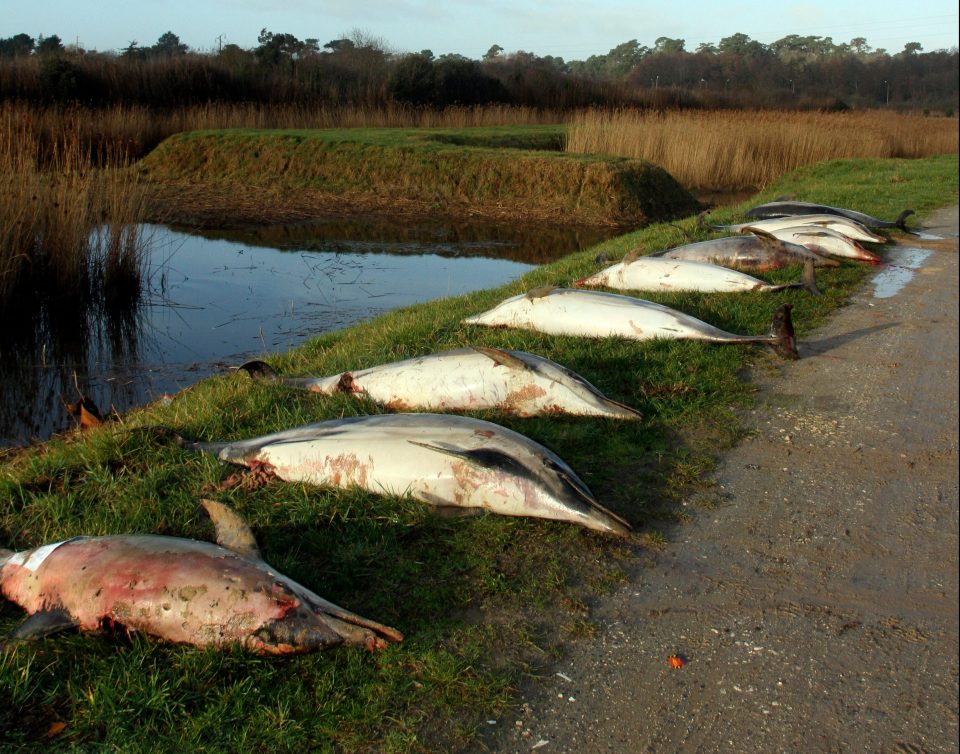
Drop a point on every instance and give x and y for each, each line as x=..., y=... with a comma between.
x=214, y=300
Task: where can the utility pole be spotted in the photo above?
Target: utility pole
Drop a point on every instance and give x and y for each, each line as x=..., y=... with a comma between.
x=220, y=43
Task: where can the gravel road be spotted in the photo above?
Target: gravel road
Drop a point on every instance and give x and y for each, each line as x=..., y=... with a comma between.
x=815, y=606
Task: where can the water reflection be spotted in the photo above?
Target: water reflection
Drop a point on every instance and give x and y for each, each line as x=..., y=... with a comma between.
x=529, y=243
x=217, y=300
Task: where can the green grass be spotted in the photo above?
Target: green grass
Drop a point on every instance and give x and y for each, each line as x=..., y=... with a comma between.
x=481, y=601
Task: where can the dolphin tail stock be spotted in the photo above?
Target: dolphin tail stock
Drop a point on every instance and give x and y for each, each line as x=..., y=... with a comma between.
x=159, y=434
x=783, y=339
x=166, y=435
x=263, y=372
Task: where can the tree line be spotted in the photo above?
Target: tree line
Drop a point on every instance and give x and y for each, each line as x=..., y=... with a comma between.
x=793, y=72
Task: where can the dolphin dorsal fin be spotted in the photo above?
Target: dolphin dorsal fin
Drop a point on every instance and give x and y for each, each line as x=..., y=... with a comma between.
x=232, y=531
x=768, y=239
x=631, y=256
x=759, y=233
x=501, y=357
x=541, y=292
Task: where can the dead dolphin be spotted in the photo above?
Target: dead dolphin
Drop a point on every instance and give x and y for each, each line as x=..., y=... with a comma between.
x=850, y=228
x=824, y=241
x=465, y=379
x=757, y=251
x=635, y=273
x=568, y=311
x=451, y=462
x=179, y=590
x=780, y=209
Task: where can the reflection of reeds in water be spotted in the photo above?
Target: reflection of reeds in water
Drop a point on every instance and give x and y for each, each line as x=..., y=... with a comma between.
x=50, y=357
x=68, y=222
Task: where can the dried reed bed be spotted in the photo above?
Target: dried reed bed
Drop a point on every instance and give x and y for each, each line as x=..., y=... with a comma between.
x=131, y=131
x=749, y=149
x=68, y=220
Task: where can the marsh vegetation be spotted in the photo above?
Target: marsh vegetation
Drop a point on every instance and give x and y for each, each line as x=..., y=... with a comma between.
x=68, y=220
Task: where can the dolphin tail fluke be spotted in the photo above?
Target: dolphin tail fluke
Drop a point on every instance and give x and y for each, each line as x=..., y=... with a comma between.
x=783, y=339
x=901, y=221
x=261, y=371
x=808, y=282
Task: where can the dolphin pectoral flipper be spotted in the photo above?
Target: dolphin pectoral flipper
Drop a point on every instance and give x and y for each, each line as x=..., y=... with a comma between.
x=486, y=458
x=232, y=531
x=43, y=623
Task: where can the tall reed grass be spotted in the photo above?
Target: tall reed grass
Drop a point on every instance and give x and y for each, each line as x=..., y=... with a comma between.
x=68, y=216
x=750, y=149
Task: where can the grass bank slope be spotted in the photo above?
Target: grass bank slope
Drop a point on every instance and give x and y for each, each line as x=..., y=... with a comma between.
x=481, y=601
x=515, y=172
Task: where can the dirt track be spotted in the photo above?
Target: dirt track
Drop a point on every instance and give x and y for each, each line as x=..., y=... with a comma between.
x=816, y=606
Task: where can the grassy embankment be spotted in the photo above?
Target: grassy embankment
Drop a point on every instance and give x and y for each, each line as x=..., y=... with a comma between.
x=505, y=172
x=481, y=601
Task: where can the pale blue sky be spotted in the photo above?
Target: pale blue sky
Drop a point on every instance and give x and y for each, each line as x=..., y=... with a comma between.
x=571, y=29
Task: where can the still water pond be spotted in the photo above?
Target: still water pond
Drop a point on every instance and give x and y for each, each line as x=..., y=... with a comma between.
x=218, y=299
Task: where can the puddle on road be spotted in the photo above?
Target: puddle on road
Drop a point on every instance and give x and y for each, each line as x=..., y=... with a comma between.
x=900, y=267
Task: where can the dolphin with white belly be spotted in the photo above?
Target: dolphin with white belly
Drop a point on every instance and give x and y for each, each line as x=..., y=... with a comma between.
x=783, y=208
x=636, y=273
x=850, y=228
x=594, y=314
x=179, y=590
x=465, y=379
x=824, y=241
x=757, y=251
x=455, y=463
